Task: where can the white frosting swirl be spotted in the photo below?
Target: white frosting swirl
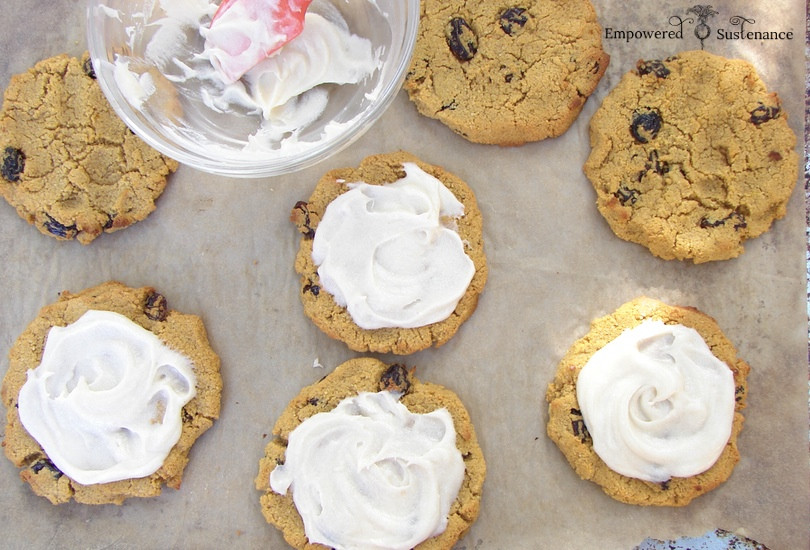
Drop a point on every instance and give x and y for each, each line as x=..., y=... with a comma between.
x=389, y=255
x=324, y=53
x=105, y=402
x=370, y=474
x=657, y=403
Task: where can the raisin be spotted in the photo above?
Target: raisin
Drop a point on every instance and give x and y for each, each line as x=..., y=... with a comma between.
x=187, y=418
x=646, y=124
x=511, y=17
x=461, y=39
x=314, y=289
x=313, y=401
x=739, y=221
x=739, y=393
x=395, y=378
x=13, y=163
x=300, y=209
x=655, y=66
x=625, y=195
x=449, y=106
x=88, y=69
x=59, y=229
x=665, y=485
x=45, y=463
x=653, y=163
x=763, y=113
x=578, y=426
x=156, y=306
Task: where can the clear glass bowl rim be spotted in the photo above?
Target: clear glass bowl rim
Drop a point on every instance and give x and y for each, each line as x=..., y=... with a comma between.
x=283, y=164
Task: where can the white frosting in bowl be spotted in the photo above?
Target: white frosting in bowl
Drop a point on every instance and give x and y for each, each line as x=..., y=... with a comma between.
x=105, y=402
x=370, y=474
x=657, y=403
x=390, y=254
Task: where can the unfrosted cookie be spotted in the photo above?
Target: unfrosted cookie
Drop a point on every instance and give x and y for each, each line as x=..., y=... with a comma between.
x=346, y=381
x=148, y=309
x=568, y=429
x=691, y=156
x=335, y=319
x=70, y=166
x=506, y=73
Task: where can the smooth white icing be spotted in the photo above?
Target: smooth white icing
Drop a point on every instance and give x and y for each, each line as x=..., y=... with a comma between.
x=324, y=53
x=390, y=254
x=105, y=402
x=370, y=474
x=657, y=403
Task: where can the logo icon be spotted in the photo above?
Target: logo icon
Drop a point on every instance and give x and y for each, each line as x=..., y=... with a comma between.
x=703, y=13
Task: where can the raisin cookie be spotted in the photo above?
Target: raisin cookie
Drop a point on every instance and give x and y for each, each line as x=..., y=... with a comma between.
x=335, y=318
x=70, y=166
x=369, y=375
x=568, y=424
x=691, y=156
x=148, y=309
x=504, y=73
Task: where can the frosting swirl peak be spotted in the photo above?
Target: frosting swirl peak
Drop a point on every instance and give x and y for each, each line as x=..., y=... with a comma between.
x=391, y=478
x=390, y=254
x=657, y=403
x=105, y=402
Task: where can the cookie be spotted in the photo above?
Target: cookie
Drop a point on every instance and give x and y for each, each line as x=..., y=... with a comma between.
x=369, y=376
x=182, y=333
x=716, y=397
x=384, y=318
x=70, y=166
x=690, y=156
x=504, y=73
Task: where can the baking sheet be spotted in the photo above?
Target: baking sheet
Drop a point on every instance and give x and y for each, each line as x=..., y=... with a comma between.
x=223, y=249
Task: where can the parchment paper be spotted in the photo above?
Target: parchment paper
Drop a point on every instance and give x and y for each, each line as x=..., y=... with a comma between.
x=223, y=249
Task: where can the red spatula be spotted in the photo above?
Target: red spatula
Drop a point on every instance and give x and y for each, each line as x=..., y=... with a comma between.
x=244, y=32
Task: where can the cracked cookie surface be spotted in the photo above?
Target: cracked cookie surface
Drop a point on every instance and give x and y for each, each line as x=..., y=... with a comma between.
x=372, y=375
x=334, y=319
x=70, y=166
x=146, y=307
x=505, y=73
x=691, y=156
x=566, y=426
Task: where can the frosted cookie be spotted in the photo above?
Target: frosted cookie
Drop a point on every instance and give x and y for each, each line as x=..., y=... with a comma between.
x=392, y=255
x=106, y=392
x=691, y=156
x=423, y=471
x=70, y=166
x=506, y=74
x=647, y=404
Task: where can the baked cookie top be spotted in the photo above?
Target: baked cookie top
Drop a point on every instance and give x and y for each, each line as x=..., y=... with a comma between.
x=691, y=156
x=334, y=318
x=568, y=429
x=505, y=73
x=70, y=166
x=351, y=379
x=147, y=308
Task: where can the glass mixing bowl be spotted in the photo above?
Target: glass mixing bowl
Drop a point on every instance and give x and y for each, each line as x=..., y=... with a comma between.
x=144, y=52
